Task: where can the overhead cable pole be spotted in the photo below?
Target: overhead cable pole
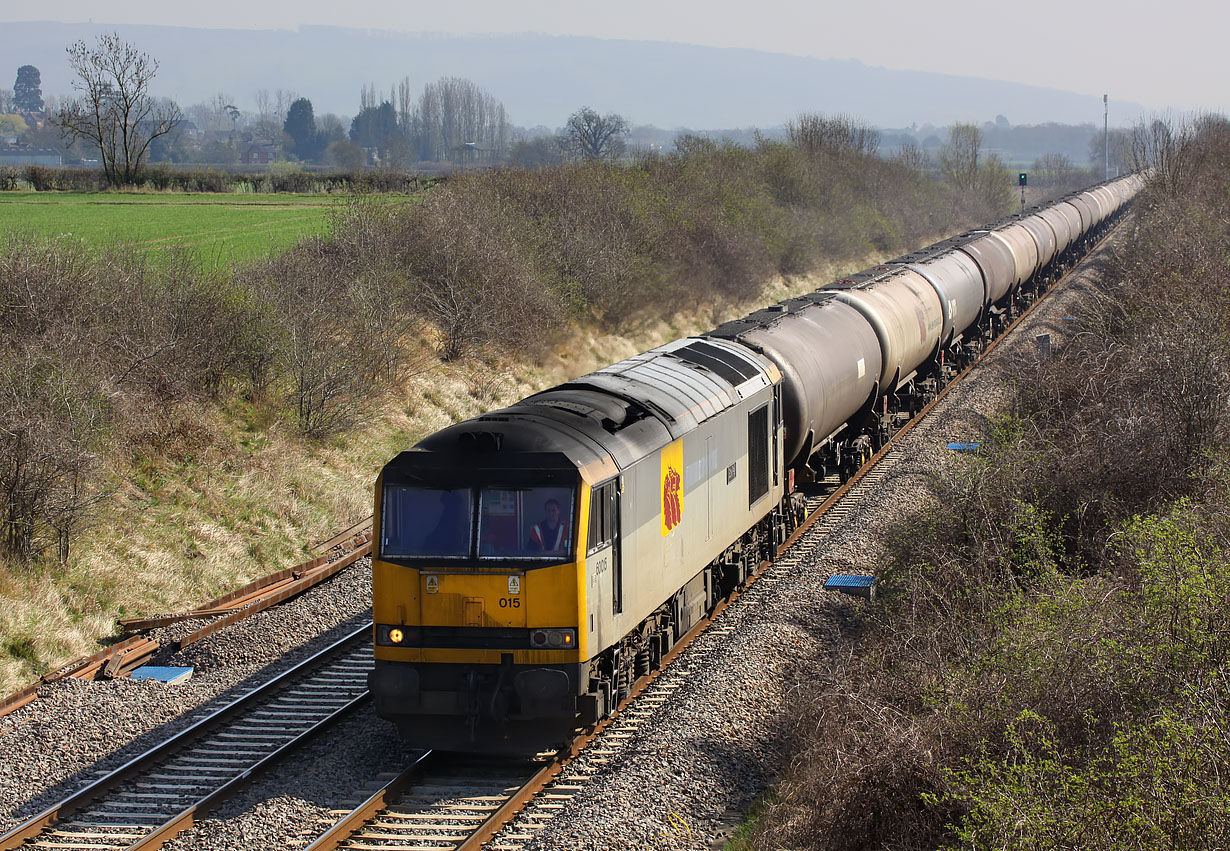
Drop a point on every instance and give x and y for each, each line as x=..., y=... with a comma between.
x=1106, y=137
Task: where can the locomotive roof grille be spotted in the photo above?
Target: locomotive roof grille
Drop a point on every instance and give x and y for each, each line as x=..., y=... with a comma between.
x=725, y=364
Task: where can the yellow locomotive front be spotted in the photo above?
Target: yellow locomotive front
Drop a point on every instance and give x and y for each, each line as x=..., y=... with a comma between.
x=477, y=595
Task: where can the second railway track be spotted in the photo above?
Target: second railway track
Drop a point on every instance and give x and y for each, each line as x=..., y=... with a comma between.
x=157, y=795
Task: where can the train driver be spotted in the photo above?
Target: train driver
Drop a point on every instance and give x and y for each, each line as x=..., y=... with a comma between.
x=551, y=533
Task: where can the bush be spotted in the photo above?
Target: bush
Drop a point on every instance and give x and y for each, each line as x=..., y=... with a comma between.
x=1047, y=664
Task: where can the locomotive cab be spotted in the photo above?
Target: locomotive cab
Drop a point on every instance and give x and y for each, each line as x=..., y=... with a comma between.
x=477, y=597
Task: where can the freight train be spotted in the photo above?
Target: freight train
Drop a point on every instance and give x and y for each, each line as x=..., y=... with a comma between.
x=532, y=562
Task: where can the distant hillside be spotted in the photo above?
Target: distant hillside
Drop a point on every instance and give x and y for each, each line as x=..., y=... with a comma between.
x=541, y=79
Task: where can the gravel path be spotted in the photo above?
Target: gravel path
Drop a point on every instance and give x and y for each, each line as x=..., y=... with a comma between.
x=687, y=772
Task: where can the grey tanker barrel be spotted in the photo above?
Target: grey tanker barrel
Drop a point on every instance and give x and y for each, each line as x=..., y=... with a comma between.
x=1099, y=204
x=994, y=259
x=1088, y=210
x=905, y=311
x=1061, y=225
x=1115, y=192
x=1044, y=237
x=958, y=283
x=1024, y=250
x=829, y=357
x=1108, y=199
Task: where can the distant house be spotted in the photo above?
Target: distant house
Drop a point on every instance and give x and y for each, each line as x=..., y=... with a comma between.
x=258, y=153
x=24, y=155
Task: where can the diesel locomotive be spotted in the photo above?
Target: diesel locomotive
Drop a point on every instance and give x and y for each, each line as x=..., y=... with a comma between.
x=532, y=562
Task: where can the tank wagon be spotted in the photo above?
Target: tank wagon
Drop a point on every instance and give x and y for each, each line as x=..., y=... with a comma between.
x=532, y=562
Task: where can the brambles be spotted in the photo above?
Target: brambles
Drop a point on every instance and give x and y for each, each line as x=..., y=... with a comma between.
x=1047, y=667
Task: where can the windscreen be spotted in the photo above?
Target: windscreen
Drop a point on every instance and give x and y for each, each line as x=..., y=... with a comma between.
x=426, y=522
x=525, y=523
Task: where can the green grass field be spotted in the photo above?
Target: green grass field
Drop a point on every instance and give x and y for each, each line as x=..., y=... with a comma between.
x=219, y=228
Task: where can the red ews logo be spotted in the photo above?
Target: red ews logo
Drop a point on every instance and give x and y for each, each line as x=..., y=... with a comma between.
x=672, y=486
x=672, y=505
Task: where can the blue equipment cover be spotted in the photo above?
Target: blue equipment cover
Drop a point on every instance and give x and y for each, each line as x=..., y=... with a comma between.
x=164, y=675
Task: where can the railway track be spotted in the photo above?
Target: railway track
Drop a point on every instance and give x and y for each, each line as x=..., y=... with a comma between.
x=157, y=795
x=437, y=802
x=418, y=810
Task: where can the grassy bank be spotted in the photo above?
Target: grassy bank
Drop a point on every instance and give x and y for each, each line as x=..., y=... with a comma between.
x=169, y=429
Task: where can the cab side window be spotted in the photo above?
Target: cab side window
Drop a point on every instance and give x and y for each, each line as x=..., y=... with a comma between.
x=601, y=516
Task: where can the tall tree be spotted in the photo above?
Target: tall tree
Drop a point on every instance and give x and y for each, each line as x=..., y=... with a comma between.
x=456, y=119
x=27, y=91
x=813, y=132
x=301, y=127
x=373, y=125
x=959, y=156
x=114, y=110
x=591, y=136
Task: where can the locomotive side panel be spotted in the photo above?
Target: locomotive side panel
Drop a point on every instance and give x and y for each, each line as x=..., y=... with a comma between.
x=679, y=505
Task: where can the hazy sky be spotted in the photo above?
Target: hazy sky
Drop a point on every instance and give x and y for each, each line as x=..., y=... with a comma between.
x=1161, y=54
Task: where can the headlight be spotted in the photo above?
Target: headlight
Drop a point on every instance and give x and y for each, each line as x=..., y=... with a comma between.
x=395, y=636
x=553, y=638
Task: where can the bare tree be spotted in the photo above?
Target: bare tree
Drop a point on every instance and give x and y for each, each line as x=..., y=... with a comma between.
x=455, y=119
x=912, y=155
x=591, y=136
x=959, y=156
x=1057, y=172
x=812, y=132
x=50, y=427
x=982, y=179
x=405, y=107
x=1164, y=147
x=115, y=111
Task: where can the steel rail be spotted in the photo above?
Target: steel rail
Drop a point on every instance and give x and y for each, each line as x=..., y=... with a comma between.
x=158, y=754
x=368, y=809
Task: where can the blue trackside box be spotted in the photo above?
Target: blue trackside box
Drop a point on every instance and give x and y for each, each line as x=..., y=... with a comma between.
x=964, y=447
x=853, y=584
x=163, y=675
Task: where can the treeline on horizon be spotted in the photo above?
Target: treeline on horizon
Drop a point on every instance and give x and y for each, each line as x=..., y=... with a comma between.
x=1048, y=665
x=452, y=123
x=119, y=355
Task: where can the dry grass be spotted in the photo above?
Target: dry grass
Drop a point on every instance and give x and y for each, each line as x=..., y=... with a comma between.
x=250, y=498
